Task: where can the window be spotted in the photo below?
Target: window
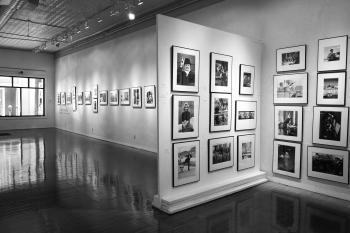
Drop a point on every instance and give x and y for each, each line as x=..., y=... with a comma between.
x=22, y=96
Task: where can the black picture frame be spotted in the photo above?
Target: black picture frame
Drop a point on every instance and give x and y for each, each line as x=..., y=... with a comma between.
x=212, y=126
x=236, y=115
x=212, y=167
x=229, y=60
x=241, y=81
x=153, y=102
x=302, y=58
x=249, y=166
x=136, y=102
x=343, y=85
x=300, y=123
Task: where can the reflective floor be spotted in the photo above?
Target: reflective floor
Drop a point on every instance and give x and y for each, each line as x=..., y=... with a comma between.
x=55, y=181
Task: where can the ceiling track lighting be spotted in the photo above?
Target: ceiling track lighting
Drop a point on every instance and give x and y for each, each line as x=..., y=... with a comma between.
x=99, y=20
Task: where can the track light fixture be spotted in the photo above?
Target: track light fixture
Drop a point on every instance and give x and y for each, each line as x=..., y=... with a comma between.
x=131, y=15
x=99, y=20
x=139, y=2
x=86, y=25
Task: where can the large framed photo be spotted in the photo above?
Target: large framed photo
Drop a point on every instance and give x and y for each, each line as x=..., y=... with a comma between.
x=114, y=98
x=287, y=158
x=63, y=98
x=246, y=79
x=185, y=69
x=185, y=116
x=328, y=164
x=289, y=123
x=124, y=96
x=220, y=73
x=330, y=126
x=246, y=151
x=331, y=88
x=220, y=153
x=291, y=58
x=220, y=112
x=103, y=98
x=150, y=96
x=95, y=105
x=136, y=94
x=80, y=98
x=87, y=97
x=245, y=115
x=332, y=53
x=95, y=92
x=290, y=88
x=185, y=162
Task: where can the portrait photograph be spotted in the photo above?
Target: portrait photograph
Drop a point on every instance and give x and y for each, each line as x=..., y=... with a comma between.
x=58, y=98
x=63, y=98
x=185, y=116
x=330, y=126
x=245, y=115
x=331, y=88
x=245, y=151
x=95, y=105
x=103, y=98
x=290, y=88
x=220, y=112
x=291, y=58
x=114, y=98
x=186, y=162
x=136, y=94
x=95, y=92
x=286, y=158
x=220, y=153
x=185, y=69
x=69, y=98
x=80, y=98
x=289, y=123
x=87, y=97
x=332, y=53
x=150, y=96
x=220, y=73
x=328, y=164
x=124, y=96
x=246, y=79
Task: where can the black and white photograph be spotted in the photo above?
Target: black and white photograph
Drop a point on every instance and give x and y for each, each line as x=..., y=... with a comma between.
x=150, y=96
x=328, y=164
x=114, y=98
x=186, y=162
x=136, y=97
x=58, y=98
x=332, y=53
x=331, y=88
x=220, y=73
x=246, y=116
x=69, y=98
x=95, y=92
x=220, y=112
x=103, y=98
x=185, y=67
x=74, y=99
x=290, y=88
x=246, y=79
x=124, y=96
x=63, y=98
x=291, y=58
x=245, y=151
x=220, y=153
x=80, y=98
x=87, y=97
x=95, y=105
x=287, y=158
x=289, y=123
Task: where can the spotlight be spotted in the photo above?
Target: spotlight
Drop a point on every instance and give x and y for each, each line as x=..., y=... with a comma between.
x=114, y=10
x=78, y=30
x=131, y=15
x=99, y=20
x=86, y=25
x=140, y=2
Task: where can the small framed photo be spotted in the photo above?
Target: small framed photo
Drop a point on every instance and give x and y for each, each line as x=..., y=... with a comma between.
x=185, y=69
x=220, y=112
x=291, y=58
x=87, y=97
x=290, y=88
x=150, y=96
x=332, y=53
x=63, y=98
x=287, y=158
x=58, y=98
x=69, y=98
x=246, y=79
x=95, y=92
x=246, y=151
x=245, y=115
x=124, y=96
x=103, y=98
x=74, y=98
x=185, y=162
x=95, y=105
x=220, y=153
x=330, y=126
x=136, y=94
x=114, y=98
x=331, y=88
x=220, y=73
x=328, y=164
x=80, y=98
x=289, y=123
x=185, y=116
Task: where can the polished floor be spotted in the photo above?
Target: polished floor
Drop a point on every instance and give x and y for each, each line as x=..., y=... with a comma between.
x=53, y=181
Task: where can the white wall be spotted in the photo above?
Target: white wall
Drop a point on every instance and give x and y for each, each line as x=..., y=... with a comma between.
x=125, y=62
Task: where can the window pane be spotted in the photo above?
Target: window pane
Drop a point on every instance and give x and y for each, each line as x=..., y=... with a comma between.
x=10, y=101
x=36, y=82
x=32, y=102
x=20, y=82
x=5, y=81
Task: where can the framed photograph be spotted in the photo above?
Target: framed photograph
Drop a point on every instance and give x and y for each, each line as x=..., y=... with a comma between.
x=291, y=58
x=332, y=53
x=95, y=92
x=330, y=126
x=245, y=115
x=87, y=97
x=220, y=112
x=95, y=105
x=289, y=123
x=331, y=88
x=290, y=88
x=287, y=158
x=328, y=164
x=114, y=98
x=80, y=98
x=136, y=94
x=74, y=98
x=69, y=98
x=245, y=151
x=124, y=96
x=185, y=116
x=220, y=153
x=103, y=98
x=185, y=162
x=58, y=98
x=220, y=73
x=185, y=69
x=63, y=98
x=246, y=79
x=150, y=96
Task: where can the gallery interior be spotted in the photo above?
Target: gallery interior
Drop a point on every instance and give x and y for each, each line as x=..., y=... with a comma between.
x=174, y=116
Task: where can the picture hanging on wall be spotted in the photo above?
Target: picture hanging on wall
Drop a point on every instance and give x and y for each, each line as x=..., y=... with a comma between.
x=185, y=116
x=185, y=162
x=114, y=98
x=95, y=92
x=74, y=98
x=220, y=112
x=103, y=98
x=185, y=69
x=150, y=96
x=245, y=115
x=246, y=151
x=332, y=53
x=63, y=98
x=290, y=88
x=220, y=73
x=330, y=126
x=124, y=96
x=87, y=97
x=328, y=164
x=246, y=79
x=331, y=88
x=58, y=98
x=289, y=123
x=291, y=58
x=80, y=98
x=69, y=98
x=287, y=158
x=95, y=105
x=136, y=97
x=220, y=153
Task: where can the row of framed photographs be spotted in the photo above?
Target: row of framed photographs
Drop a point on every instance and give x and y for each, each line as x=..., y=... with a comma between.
x=186, y=157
